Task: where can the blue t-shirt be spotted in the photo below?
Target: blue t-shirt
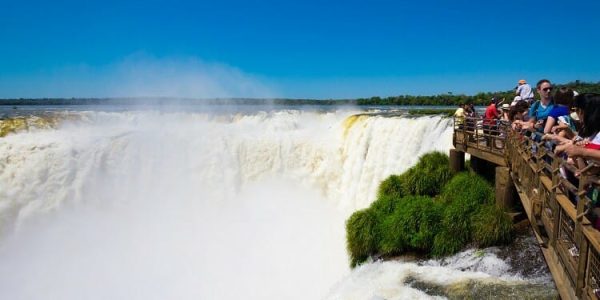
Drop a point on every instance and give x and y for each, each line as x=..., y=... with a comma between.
x=559, y=111
x=539, y=112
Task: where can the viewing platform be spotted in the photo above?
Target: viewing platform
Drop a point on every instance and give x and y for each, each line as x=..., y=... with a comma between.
x=559, y=207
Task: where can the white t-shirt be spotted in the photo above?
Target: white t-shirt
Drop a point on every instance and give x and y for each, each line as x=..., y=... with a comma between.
x=525, y=91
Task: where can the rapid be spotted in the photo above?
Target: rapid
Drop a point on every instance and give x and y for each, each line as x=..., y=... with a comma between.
x=151, y=204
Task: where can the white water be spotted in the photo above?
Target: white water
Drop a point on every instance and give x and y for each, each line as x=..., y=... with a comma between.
x=148, y=205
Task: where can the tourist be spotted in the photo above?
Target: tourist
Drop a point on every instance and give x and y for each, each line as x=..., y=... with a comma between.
x=489, y=122
x=459, y=116
x=588, y=110
x=524, y=91
x=563, y=100
x=518, y=113
x=516, y=100
x=538, y=113
x=505, y=111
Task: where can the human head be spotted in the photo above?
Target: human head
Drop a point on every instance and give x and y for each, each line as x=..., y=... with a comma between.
x=517, y=110
x=522, y=81
x=588, y=109
x=494, y=100
x=544, y=88
x=564, y=96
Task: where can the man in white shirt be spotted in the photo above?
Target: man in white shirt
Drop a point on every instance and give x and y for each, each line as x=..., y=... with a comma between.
x=524, y=90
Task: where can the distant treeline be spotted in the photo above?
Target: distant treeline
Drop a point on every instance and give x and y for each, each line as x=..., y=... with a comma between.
x=442, y=99
x=151, y=101
x=477, y=99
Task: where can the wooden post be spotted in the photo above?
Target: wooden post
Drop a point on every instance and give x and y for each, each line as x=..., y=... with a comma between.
x=504, y=189
x=457, y=160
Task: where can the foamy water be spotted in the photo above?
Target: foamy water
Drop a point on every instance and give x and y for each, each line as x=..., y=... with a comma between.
x=151, y=205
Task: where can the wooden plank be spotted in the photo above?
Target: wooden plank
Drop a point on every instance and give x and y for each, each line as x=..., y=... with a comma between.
x=561, y=280
x=566, y=270
x=491, y=157
x=559, y=275
x=547, y=182
x=567, y=260
x=567, y=206
x=592, y=235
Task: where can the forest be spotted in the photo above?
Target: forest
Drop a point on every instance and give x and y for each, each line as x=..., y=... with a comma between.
x=448, y=99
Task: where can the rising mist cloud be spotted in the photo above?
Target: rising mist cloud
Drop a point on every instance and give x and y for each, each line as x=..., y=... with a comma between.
x=140, y=75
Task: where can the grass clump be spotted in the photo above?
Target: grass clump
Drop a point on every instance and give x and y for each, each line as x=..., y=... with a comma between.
x=392, y=186
x=431, y=172
x=491, y=227
x=426, y=210
x=361, y=235
x=426, y=112
x=468, y=189
x=412, y=226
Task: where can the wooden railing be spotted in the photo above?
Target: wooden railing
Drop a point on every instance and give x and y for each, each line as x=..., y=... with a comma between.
x=559, y=205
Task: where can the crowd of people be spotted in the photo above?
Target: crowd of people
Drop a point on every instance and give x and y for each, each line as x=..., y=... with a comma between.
x=568, y=123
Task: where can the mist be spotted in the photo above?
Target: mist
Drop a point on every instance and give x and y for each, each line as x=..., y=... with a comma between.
x=145, y=205
x=141, y=75
x=191, y=205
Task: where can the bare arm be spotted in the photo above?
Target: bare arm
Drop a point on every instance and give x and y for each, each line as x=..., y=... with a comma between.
x=577, y=151
x=549, y=123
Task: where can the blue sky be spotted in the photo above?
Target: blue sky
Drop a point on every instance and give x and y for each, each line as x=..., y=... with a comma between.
x=295, y=49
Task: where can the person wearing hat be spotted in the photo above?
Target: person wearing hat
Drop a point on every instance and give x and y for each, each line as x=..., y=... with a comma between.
x=524, y=91
x=505, y=108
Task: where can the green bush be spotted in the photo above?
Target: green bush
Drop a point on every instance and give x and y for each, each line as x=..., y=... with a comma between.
x=491, y=226
x=412, y=226
x=423, y=221
x=361, y=235
x=392, y=186
x=445, y=243
x=404, y=217
x=394, y=239
x=431, y=172
x=385, y=205
x=469, y=189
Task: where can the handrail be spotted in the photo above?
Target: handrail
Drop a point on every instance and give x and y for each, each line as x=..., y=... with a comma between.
x=561, y=203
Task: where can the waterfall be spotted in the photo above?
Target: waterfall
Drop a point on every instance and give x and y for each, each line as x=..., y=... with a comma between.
x=175, y=205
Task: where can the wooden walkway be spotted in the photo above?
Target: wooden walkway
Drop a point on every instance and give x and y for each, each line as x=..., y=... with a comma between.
x=558, y=209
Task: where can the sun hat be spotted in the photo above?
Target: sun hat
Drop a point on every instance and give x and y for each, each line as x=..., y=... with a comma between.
x=522, y=81
x=505, y=106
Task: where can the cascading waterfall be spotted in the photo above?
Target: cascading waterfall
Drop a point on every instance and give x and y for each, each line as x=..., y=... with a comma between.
x=154, y=205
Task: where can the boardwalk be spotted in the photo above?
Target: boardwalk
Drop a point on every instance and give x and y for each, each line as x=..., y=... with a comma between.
x=559, y=210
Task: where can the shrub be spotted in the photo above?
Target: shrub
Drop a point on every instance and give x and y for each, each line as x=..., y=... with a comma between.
x=446, y=243
x=412, y=226
x=491, y=226
x=423, y=221
x=361, y=236
x=428, y=175
x=394, y=238
x=469, y=189
x=385, y=205
x=404, y=217
x=392, y=186
x=457, y=220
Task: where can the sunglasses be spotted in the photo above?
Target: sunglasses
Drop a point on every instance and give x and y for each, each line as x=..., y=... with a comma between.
x=547, y=89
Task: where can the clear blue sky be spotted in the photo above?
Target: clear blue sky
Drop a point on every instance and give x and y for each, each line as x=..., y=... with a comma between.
x=296, y=49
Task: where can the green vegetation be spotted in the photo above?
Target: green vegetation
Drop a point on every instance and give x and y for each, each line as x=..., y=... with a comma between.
x=482, y=98
x=443, y=99
x=425, y=112
x=428, y=175
x=491, y=227
x=428, y=211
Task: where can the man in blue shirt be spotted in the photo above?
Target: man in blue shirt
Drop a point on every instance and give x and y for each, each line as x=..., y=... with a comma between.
x=538, y=113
